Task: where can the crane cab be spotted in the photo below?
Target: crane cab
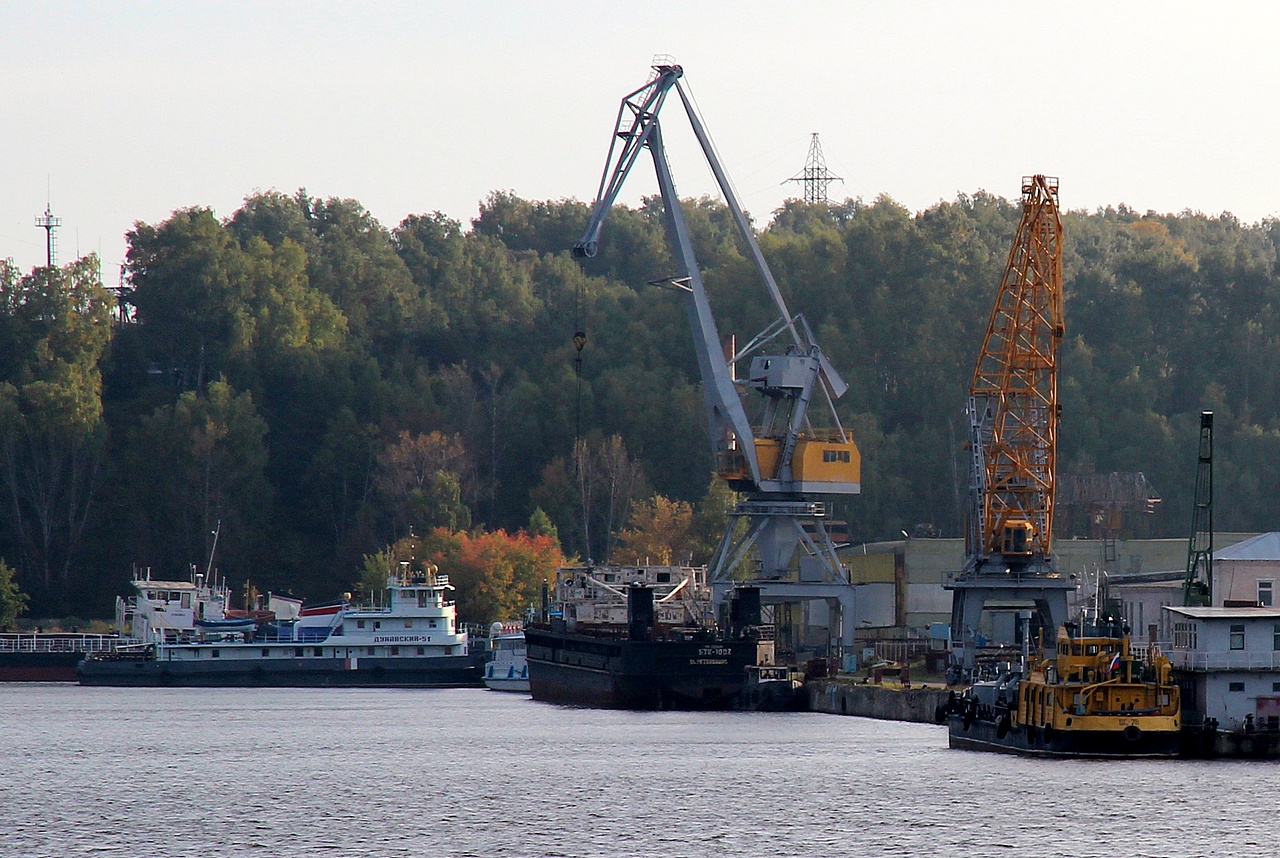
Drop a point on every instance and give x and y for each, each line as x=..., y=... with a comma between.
x=1017, y=537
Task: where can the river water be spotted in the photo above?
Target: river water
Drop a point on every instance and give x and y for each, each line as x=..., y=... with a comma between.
x=366, y=772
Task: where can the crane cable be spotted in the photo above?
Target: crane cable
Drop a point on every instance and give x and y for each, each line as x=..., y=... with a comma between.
x=579, y=343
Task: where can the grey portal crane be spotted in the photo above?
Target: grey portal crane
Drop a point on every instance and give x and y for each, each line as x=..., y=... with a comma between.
x=782, y=462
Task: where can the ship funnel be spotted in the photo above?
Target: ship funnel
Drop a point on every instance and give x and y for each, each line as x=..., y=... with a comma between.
x=744, y=609
x=640, y=611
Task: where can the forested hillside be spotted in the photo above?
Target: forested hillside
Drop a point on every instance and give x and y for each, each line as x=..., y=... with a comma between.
x=314, y=385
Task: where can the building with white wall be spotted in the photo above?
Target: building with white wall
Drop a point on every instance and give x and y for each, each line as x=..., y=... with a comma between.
x=1227, y=660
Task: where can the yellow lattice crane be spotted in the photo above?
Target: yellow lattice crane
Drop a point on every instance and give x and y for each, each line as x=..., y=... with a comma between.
x=1013, y=398
x=1013, y=423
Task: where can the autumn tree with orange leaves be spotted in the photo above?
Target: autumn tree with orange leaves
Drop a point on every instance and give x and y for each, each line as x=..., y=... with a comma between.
x=498, y=575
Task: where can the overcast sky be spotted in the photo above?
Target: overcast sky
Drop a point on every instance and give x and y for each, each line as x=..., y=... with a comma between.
x=122, y=112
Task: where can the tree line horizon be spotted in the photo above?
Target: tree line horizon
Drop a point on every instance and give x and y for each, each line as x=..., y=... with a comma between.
x=331, y=395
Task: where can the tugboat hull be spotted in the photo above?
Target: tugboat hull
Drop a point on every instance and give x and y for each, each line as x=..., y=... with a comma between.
x=1131, y=741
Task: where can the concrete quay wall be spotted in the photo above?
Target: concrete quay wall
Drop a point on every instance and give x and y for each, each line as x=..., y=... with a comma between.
x=887, y=703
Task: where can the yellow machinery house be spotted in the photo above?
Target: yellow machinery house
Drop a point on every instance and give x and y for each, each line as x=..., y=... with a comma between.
x=818, y=465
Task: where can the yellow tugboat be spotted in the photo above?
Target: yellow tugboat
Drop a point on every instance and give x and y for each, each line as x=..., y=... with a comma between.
x=1095, y=697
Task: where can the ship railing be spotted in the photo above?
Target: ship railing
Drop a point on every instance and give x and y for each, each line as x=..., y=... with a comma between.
x=901, y=650
x=53, y=642
x=1236, y=660
x=477, y=635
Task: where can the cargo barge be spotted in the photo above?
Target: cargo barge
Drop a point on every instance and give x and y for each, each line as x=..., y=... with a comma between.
x=48, y=656
x=644, y=638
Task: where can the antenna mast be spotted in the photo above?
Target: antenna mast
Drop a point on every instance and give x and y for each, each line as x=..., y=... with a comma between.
x=49, y=224
x=815, y=176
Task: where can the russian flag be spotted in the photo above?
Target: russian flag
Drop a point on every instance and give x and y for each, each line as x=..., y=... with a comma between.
x=1115, y=663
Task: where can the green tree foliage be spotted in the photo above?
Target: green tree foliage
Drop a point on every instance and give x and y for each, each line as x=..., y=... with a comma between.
x=201, y=467
x=323, y=385
x=421, y=477
x=13, y=602
x=56, y=325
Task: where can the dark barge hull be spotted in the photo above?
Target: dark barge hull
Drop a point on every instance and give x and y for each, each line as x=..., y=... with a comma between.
x=39, y=666
x=985, y=735
x=617, y=673
x=462, y=671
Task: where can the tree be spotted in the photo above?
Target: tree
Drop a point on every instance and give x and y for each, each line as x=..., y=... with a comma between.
x=51, y=426
x=200, y=465
x=659, y=531
x=540, y=524
x=184, y=275
x=13, y=602
x=421, y=480
x=499, y=575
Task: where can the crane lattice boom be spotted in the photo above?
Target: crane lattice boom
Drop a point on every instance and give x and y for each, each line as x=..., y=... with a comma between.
x=1197, y=587
x=1013, y=399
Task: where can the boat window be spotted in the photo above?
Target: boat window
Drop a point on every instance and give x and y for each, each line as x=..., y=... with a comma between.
x=265, y=652
x=1237, y=636
x=422, y=650
x=1275, y=686
x=432, y=623
x=186, y=600
x=297, y=651
x=395, y=650
x=1091, y=649
x=663, y=577
x=370, y=651
x=423, y=598
x=359, y=624
x=214, y=653
x=319, y=651
x=1235, y=686
x=408, y=624
x=1275, y=637
x=377, y=624
x=1075, y=649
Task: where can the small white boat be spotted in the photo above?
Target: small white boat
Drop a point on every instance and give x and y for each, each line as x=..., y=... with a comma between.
x=507, y=670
